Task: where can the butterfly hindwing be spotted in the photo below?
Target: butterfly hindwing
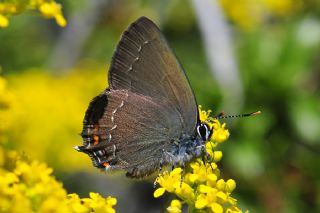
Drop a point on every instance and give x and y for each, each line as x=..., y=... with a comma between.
x=127, y=137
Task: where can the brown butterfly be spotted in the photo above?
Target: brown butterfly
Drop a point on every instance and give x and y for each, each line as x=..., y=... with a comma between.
x=148, y=116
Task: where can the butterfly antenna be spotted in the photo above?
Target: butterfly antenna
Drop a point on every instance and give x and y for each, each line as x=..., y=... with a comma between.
x=222, y=116
x=219, y=115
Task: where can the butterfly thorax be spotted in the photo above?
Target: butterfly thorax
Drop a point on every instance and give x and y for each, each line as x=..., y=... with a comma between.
x=188, y=147
x=184, y=150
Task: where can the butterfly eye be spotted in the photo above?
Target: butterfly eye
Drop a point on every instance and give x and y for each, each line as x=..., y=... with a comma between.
x=204, y=131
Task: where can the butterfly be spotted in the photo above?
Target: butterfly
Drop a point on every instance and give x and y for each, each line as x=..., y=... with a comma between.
x=148, y=116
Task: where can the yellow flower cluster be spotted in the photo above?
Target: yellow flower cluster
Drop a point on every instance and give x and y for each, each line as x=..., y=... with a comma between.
x=48, y=113
x=200, y=186
x=6, y=98
x=30, y=187
x=249, y=14
x=47, y=8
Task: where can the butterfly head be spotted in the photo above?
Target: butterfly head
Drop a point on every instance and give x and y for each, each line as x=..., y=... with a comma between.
x=204, y=131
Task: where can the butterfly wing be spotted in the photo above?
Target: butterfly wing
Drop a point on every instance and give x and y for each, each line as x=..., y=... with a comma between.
x=144, y=64
x=117, y=131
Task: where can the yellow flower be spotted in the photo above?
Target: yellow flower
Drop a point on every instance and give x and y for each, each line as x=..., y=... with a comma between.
x=204, y=115
x=184, y=191
x=76, y=204
x=48, y=8
x=230, y=185
x=167, y=180
x=99, y=204
x=53, y=9
x=172, y=182
x=8, y=8
x=4, y=21
x=30, y=187
x=283, y=7
x=201, y=202
x=216, y=208
x=201, y=187
x=159, y=192
x=220, y=133
x=24, y=107
x=175, y=206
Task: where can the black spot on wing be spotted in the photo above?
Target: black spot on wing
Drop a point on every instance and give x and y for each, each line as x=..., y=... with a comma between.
x=96, y=109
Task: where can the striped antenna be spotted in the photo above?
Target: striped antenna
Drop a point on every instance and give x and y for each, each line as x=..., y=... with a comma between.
x=222, y=116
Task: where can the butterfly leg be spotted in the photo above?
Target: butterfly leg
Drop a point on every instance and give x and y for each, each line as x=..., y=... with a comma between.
x=160, y=166
x=206, y=158
x=160, y=170
x=209, y=159
x=155, y=183
x=182, y=175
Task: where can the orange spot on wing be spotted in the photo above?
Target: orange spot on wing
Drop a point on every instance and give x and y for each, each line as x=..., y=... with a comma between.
x=95, y=135
x=95, y=139
x=106, y=164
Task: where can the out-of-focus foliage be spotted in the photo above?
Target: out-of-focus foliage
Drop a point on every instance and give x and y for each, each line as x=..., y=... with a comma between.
x=47, y=8
x=45, y=115
x=280, y=71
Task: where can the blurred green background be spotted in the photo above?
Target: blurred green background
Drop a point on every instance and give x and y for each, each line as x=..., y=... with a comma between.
x=274, y=47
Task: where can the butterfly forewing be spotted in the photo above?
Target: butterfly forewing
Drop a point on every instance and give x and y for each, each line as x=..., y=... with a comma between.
x=144, y=64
